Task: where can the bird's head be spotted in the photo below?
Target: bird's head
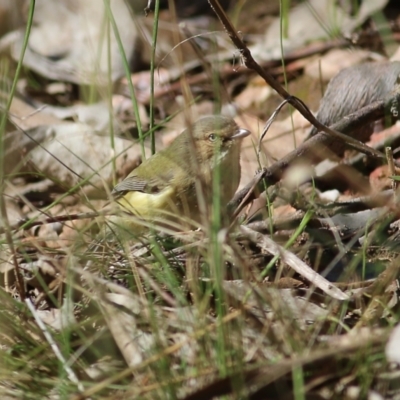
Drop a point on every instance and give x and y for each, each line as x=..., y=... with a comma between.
x=216, y=137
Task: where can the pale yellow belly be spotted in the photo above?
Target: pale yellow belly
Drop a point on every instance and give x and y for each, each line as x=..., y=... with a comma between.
x=148, y=205
x=142, y=211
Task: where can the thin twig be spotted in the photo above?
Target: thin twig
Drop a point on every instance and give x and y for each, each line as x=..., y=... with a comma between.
x=295, y=263
x=28, y=224
x=71, y=374
x=270, y=80
x=294, y=101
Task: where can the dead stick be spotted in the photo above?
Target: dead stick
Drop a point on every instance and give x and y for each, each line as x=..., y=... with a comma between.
x=314, y=150
x=294, y=101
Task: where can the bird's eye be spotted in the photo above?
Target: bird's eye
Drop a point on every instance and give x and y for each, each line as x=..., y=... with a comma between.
x=212, y=137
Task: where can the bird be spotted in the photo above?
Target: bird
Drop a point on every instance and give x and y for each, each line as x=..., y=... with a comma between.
x=178, y=182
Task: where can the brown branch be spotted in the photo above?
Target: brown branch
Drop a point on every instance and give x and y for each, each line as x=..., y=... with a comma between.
x=314, y=150
x=294, y=101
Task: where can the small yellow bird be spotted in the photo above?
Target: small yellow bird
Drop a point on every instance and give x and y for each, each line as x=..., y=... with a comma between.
x=173, y=182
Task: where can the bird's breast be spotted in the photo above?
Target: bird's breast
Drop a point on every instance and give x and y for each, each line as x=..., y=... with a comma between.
x=148, y=204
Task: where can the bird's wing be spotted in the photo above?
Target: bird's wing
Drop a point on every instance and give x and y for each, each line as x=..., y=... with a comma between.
x=138, y=184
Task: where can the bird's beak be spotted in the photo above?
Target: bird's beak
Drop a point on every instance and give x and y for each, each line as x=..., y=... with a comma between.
x=240, y=134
